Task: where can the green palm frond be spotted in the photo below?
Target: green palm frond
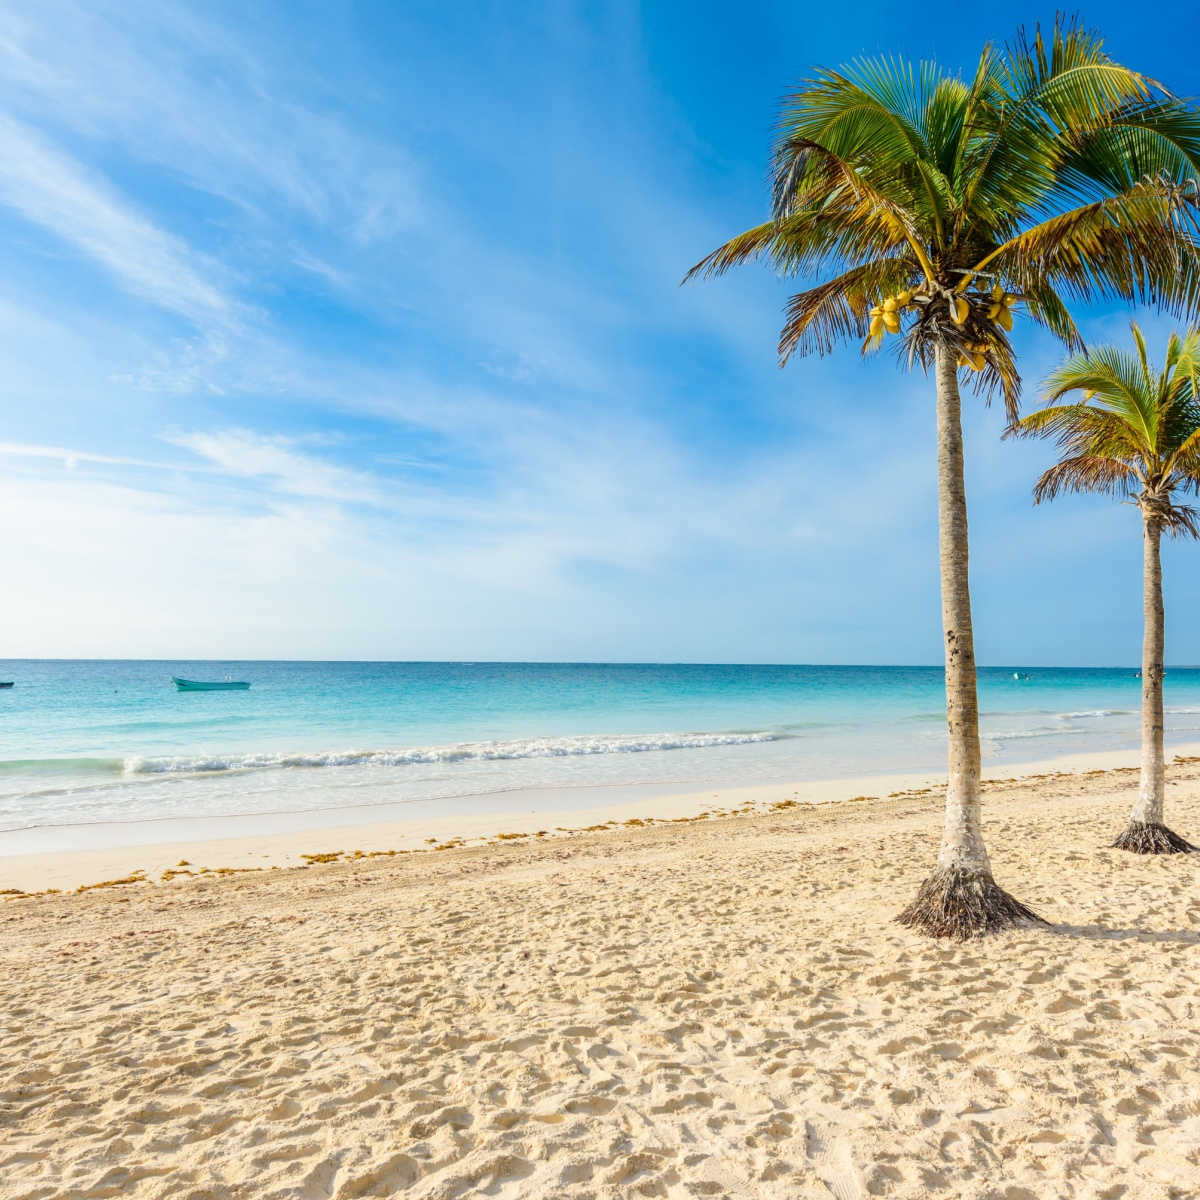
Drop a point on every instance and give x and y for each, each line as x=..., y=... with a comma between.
x=1053, y=93
x=1135, y=432
x=1117, y=383
x=839, y=217
x=873, y=210
x=1085, y=473
x=1053, y=173
x=1157, y=139
x=1045, y=307
x=944, y=122
x=770, y=240
x=1083, y=429
x=868, y=110
x=1069, y=82
x=1136, y=246
x=837, y=309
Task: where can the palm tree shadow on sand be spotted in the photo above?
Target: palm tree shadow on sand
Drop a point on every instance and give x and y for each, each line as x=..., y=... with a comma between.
x=1102, y=933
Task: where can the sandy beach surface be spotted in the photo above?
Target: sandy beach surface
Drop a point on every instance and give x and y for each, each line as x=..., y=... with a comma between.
x=713, y=1007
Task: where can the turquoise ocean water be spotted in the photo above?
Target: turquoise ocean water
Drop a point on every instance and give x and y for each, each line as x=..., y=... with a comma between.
x=101, y=743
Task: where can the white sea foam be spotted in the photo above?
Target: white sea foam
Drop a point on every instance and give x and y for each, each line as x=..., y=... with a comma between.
x=559, y=747
x=1093, y=713
x=1036, y=731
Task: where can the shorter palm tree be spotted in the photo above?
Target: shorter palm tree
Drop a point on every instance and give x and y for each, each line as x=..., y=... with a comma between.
x=1135, y=435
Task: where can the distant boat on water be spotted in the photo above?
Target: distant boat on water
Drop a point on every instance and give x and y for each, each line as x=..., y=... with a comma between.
x=217, y=685
x=8, y=684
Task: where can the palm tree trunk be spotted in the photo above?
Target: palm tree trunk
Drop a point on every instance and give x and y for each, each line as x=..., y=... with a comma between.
x=1149, y=807
x=962, y=842
x=1146, y=833
x=960, y=899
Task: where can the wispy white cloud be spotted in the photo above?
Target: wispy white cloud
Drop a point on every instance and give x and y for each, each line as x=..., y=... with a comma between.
x=72, y=458
x=236, y=117
x=276, y=462
x=225, y=110
x=611, y=544
x=53, y=191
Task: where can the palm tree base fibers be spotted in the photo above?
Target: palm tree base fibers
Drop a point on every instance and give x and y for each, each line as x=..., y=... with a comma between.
x=959, y=904
x=1147, y=837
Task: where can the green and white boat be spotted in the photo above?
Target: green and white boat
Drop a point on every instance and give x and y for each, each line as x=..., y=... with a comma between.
x=218, y=685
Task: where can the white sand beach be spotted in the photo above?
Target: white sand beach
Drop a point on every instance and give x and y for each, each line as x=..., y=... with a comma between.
x=716, y=1007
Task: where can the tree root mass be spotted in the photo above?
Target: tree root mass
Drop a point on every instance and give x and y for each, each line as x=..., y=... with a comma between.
x=1148, y=837
x=960, y=905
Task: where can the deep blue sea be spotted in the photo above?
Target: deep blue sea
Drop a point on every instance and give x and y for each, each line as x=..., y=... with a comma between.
x=104, y=741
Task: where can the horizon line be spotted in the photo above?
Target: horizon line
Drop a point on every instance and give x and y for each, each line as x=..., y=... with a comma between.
x=618, y=662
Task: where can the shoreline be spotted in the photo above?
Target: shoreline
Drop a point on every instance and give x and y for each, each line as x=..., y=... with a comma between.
x=206, y=847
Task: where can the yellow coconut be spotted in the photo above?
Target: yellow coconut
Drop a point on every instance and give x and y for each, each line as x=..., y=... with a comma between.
x=1004, y=319
x=904, y=298
x=959, y=310
x=876, y=326
x=889, y=305
x=891, y=321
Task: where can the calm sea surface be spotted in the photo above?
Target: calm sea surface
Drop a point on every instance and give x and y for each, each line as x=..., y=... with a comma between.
x=89, y=742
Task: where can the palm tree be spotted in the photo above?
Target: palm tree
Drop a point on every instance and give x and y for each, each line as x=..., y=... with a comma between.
x=926, y=206
x=1136, y=435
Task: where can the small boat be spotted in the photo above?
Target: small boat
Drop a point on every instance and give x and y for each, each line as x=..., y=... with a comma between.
x=219, y=685
x=8, y=684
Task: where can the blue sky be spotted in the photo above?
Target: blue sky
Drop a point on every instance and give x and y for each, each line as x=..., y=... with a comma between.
x=355, y=331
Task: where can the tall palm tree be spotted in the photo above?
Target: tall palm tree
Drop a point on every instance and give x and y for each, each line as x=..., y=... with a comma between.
x=923, y=205
x=1136, y=435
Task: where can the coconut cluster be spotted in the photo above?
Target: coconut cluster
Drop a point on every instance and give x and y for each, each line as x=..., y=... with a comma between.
x=885, y=317
x=974, y=355
x=1000, y=309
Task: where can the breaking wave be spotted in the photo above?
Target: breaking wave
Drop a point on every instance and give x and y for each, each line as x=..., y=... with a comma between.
x=560, y=747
